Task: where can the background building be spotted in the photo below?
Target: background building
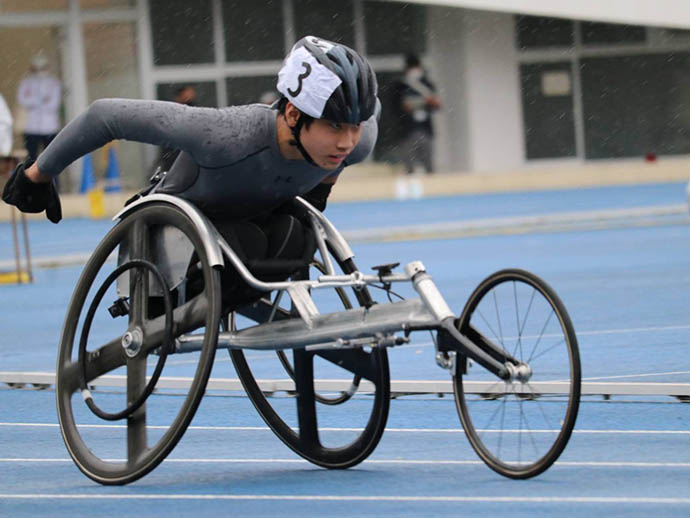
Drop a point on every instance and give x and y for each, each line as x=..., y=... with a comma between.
x=523, y=82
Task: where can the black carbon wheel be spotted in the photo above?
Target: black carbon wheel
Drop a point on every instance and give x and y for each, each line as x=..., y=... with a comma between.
x=519, y=428
x=93, y=354
x=305, y=434
x=354, y=385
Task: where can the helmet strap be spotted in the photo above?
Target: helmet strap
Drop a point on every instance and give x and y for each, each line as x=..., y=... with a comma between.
x=296, y=130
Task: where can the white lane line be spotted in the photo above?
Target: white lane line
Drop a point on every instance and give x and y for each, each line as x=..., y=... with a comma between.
x=576, y=464
x=356, y=498
x=354, y=430
x=633, y=330
x=652, y=374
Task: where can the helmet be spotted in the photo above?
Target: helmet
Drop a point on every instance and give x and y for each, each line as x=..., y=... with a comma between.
x=327, y=80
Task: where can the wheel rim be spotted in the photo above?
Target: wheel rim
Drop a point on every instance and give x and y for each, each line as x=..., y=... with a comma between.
x=123, y=452
x=520, y=428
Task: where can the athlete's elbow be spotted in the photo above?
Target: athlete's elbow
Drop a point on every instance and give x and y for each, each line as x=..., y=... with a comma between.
x=99, y=117
x=98, y=109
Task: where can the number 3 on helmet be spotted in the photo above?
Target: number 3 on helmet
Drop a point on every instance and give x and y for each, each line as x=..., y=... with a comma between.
x=330, y=81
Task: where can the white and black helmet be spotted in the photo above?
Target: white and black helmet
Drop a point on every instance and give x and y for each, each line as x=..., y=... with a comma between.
x=327, y=80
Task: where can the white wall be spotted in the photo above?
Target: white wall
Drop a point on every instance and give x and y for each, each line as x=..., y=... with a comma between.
x=661, y=13
x=472, y=59
x=493, y=92
x=446, y=64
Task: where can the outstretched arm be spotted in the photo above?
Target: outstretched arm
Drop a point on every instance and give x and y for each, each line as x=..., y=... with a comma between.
x=198, y=131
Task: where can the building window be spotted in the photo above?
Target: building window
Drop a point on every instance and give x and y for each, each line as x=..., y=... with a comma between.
x=392, y=28
x=105, y=4
x=23, y=6
x=205, y=92
x=248, y=90
x=332, y=21
x=253, y=30
x=677, y=35
x=606, y=33
x=182, y=32
x=540, y=32
x=635, y=105
x=547, y=107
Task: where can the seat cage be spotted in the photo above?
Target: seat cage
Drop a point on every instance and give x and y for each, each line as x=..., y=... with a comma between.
x=171, y=252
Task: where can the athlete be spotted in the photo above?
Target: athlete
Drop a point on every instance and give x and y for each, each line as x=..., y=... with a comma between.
x=240, y=165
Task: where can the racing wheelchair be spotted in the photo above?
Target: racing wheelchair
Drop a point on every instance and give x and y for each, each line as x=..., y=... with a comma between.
x=149, y=299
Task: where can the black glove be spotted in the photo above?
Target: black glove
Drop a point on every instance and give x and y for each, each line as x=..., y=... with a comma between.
x=28, y=196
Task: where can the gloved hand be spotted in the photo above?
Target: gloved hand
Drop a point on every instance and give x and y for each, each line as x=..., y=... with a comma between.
x=28, y=196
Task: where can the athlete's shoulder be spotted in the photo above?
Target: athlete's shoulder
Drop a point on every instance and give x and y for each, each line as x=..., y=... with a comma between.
x=249, y=118
x=256, y=111
x=247, y=128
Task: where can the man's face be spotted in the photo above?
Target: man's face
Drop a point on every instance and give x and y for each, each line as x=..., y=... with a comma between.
x=329, y=143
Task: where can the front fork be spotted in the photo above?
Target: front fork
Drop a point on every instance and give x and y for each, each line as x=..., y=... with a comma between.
x=453, y=347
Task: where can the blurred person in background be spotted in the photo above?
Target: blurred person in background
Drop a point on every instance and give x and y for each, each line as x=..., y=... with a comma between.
x=5, y=136
x=418, y=101
x=5, y=128
x=39, y=94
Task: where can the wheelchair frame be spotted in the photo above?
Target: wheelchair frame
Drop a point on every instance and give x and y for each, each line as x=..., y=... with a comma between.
x=458, y=343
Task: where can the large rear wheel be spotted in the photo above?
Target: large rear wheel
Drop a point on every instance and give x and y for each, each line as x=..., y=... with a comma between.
x=119, y=336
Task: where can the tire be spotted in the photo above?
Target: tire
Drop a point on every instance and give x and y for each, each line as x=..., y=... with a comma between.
x=305, y=437
x=519, y=428
x=151, y=427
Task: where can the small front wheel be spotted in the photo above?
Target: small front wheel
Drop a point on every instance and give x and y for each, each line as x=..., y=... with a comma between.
x=519, y=427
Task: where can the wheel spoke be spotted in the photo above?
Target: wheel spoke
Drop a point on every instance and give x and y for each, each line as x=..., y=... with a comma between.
x=529, y=307
x=503, y=416
x=188, y=317
x=518, y=345
x=499, y=408
x=306, y=404
x=539, y=337
x=529, y=429
x=521, y=413
x=547, y=419
x=105, y=359
x=138, y=278
x=498, y=318
x=496, y=336
x=136, y=422
x=545, y=351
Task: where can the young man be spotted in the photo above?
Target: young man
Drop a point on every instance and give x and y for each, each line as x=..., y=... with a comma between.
x=240, y=165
